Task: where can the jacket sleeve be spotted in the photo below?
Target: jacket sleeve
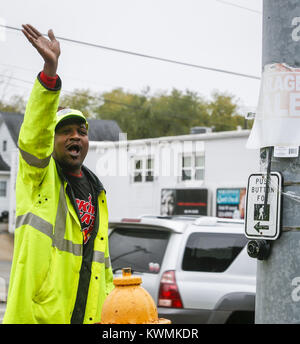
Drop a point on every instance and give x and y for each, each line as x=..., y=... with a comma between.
x=36, y=136
x=31, y=261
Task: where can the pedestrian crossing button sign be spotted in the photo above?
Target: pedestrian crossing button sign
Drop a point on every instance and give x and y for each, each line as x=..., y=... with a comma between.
x=263, y=205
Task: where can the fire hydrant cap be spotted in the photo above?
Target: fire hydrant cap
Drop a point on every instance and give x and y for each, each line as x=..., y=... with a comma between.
x=127, y=278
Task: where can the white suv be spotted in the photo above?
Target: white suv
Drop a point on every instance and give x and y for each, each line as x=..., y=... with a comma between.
x=196, y=269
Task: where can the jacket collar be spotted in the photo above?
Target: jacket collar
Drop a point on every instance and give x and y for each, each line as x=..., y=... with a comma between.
x=90, y=175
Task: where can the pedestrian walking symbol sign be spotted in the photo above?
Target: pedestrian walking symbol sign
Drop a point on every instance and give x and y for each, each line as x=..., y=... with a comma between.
x=262, y=212
x=263, y=202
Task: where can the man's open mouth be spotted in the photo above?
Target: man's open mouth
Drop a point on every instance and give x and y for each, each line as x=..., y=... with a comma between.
x=74, y=149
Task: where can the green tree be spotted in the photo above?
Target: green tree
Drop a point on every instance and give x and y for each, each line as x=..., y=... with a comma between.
x=83, y=100
x=162, y=114
x=130, y=111
x=223, y=112
x=15, y=104
x=177, y=113
x=144, y=116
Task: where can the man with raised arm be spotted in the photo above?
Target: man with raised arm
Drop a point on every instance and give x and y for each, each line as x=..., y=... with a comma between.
x=61, y=269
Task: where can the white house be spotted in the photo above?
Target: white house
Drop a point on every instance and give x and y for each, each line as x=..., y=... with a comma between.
x=9, y=130
x=4, y=186
x=189, y=174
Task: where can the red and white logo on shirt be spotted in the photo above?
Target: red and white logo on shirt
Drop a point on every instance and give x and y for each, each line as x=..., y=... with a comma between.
x=87, y=217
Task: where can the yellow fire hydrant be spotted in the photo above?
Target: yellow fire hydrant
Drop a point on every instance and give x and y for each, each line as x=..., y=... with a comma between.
x=129, y=303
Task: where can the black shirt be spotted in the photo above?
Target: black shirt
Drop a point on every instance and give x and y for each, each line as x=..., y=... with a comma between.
x=86, y=202
x=86, y=189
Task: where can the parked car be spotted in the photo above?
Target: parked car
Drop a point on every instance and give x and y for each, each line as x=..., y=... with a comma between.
x=196, y=268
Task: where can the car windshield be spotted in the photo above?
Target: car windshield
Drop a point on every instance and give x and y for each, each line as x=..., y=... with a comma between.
x=139, y=248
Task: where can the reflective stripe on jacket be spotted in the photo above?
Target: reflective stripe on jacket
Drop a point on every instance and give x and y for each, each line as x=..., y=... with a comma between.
x=48, y=244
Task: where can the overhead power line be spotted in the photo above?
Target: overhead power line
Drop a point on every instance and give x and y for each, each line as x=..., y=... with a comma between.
x=72, y=92
x=144, y=55
x=238, y=6
x=14, y=78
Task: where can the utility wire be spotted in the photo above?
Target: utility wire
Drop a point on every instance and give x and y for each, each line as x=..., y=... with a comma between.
x=71, y=93
x=238, y=6
x=14, y=78
x=144, y=55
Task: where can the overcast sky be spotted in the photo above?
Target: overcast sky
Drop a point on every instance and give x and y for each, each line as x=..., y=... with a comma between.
x=214, y=33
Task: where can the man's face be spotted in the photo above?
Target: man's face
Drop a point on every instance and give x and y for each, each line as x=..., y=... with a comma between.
x=71, y=145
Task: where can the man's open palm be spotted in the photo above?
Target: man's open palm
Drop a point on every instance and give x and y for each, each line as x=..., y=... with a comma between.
x=49, y=49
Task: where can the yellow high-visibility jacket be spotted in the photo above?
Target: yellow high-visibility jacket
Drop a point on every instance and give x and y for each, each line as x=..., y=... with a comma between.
x=50, y=274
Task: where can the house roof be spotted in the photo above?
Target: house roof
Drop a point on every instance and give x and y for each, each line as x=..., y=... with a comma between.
x=3, y=165
x=99, y=129
x=103, y=130
x=13, y=122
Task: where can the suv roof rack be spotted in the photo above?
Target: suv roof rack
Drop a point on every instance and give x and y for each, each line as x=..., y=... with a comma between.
x=200, y=220
x=213, y=221
x=171, y=217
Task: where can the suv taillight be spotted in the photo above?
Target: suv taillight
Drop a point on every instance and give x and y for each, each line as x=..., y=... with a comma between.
x=168, y=291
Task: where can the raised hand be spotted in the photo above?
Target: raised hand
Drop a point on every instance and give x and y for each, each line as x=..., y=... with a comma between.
x=49, y=49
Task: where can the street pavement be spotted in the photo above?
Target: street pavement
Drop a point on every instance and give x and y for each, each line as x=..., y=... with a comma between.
x=2, y=311
x=4, y=280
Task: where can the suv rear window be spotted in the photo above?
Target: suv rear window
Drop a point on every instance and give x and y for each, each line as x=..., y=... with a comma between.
x=139, y=248
x=211, y=252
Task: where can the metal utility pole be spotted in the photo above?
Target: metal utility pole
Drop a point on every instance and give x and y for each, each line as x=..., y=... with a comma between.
x=278, y=277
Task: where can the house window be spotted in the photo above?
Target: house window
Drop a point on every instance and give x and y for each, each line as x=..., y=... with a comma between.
x=187, y=167
x=4, y=146
x=138, y=170
x=149, y=170
x=143, y=170
x=199, y=167
x=2, y=188
x=192, y=167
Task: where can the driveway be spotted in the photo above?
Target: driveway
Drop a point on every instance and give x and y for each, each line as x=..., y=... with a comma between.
x=4, y=280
